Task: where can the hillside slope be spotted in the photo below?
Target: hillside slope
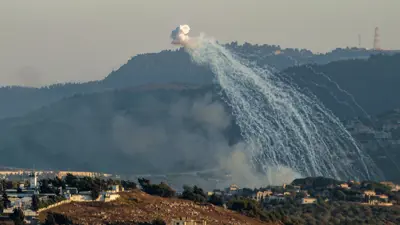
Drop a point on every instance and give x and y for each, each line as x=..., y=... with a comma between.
x=137, y=207
x=353, y=87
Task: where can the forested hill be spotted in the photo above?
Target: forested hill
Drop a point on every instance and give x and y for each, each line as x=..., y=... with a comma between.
x=161, y=68
x=353, y=87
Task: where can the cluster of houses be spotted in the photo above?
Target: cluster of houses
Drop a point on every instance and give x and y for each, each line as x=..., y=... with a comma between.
x=51, y=173
x=310, y=195
x=22, y=197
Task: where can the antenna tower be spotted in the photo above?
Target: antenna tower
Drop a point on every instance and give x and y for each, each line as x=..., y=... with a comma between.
x=377, y=39
x=359, y=41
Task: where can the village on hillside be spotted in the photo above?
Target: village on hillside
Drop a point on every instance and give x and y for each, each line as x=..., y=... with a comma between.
x=368, y=193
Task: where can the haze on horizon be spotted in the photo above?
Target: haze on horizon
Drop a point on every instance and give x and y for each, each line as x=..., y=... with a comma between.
x=44, y=41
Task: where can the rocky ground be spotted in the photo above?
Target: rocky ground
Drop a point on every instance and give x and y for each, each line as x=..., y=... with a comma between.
x=135, y=207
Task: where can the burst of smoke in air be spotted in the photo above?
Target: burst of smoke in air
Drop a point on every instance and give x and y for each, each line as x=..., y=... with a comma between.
x=180, y=35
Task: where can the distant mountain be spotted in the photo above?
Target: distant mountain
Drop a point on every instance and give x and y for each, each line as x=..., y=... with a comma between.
x=162, y=68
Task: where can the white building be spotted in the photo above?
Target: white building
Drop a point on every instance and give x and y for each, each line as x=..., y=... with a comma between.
x=116, y=188
x=33, y=180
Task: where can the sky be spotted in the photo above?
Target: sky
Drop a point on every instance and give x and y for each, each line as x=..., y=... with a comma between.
x=50, y=41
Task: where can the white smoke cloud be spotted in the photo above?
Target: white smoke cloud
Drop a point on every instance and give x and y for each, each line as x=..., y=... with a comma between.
x=180, y=35
x=243, y=173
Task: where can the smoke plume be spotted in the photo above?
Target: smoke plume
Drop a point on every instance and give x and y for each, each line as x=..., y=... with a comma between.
x=180, y=35
x=190, y=136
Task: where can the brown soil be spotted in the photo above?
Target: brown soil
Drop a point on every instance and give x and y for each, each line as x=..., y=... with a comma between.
x=137, y=206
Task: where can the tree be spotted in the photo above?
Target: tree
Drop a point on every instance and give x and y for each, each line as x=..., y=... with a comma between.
x=340, y=195
x=143, y=182
x=301, y=195
x=158, y=222
x=216, y=200
x=50, y=219
x=62, y=219
x=128, y=185
x=44, y=186
x=161, y=189
x=194, y=193
x=35, y=202
x=17, y=216
x=71, y=180
x=164, y=190
x=6, y=201
x=95, y=192
x=2, y=186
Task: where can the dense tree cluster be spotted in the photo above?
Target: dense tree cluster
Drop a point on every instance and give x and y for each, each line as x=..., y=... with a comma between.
x=18, y=216
x=53, y=218
x=5, y=201
x=216, y=200
x=337, y=212
x=315, y=182
x=194, y=193
x=161, y=189
x=35, y=202
x=248, y=207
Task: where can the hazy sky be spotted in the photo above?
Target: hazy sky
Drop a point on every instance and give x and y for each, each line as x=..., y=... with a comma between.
x=49, y=41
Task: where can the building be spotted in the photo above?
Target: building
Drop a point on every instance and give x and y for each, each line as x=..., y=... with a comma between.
x=82, y=197
x=233, y=187
x=62, y=174
x=262, y=195
x=297, y=188
x=12, y=172
x=344, y=186
x=277, y=197
x=383, y=198
x=394, y=187
x=187, y=221
x=72, y=190
x=369, y=193
x=33, y=180
x=215, y=192
x=308, y=200
x=14, y=193
x=116, y=188
x=108, y=197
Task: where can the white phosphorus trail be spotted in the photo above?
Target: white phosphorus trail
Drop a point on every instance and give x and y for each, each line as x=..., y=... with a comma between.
x=281, y=125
